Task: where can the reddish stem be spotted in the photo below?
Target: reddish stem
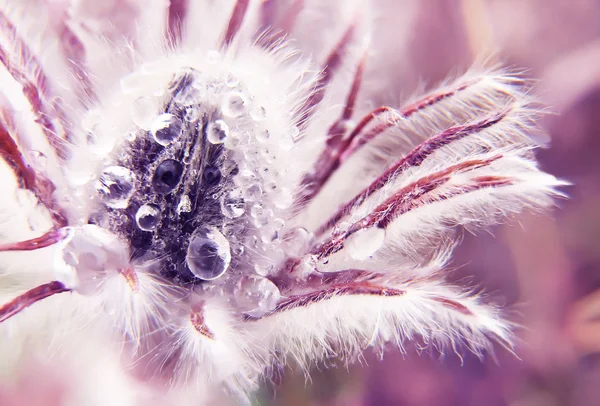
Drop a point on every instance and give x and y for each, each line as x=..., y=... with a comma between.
x=236, y=20
x=30, y=297
x=338, y=151
x=413, y=159
x=409, y=198
x=45, y=240
x=34, y=89
x=177, y=13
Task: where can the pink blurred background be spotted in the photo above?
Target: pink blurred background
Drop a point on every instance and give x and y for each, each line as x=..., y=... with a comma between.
x=544, y=268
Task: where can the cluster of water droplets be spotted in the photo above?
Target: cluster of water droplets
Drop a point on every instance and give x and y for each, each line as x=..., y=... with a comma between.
x=256, y=200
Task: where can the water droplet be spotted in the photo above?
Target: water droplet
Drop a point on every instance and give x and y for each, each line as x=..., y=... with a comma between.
x=115, y=185
x=167, y=175
x=263, y=135
x=258, y=113
x=166, y=128
x=147, y=217
x=91, y=252
x=256, y=295
x=232, y=80
x=297, y=242
x=364, y=243
x=208, y=254
x=217, y=132
x=185, y=205
x=143, y=112
x=232, y=204
x=257, y=211
x=253, y=192
x=283, y=198
x=235, y=104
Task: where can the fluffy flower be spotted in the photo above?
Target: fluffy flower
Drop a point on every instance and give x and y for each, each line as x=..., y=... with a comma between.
x=189, y=200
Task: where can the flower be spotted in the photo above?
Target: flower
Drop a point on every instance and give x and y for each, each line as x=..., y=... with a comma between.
x=192, y=200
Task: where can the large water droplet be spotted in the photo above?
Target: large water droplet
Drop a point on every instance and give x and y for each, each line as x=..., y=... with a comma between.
x=364, y=243
x=147, y=217
x=297, y=242
x=166, y=128
x=232, y=204
x=167, y=176
x=235, y=104
x=91, y=252
x=256, y=295
x=208, y=254
x=283, y=198
x=115, y=185
x=217, y=132
x=143, y=112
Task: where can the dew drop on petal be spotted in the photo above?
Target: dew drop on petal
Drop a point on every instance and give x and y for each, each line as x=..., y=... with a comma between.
x=253, y=192
x=364, y=243
x=91, y=252
x=235, y=104
x=115, y=185
x=232, y=204
x=263, y=136
x=256, y=295
x=208, y=254
x=283, y=198
x=232, y=80
x=297, y=242
x=167, y=176
x=166, y=128
x=217, y=132
x=143, y=112
x=258, y=113
x=147, y=217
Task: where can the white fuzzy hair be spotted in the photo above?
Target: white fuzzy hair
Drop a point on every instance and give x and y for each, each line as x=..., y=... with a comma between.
x=192, y=344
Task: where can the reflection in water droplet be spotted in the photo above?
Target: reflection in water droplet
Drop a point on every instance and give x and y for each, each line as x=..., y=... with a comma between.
x=115, y=185
x=256, y=295
x=364, y=243
x=235, y=104
x=167, y=176
x=208, y=254
x=217, y=132
x=232, y=204
x=166, y=128
x=147, y=217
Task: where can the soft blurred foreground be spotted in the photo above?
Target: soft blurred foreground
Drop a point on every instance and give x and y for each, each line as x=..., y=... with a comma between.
x=545, y=268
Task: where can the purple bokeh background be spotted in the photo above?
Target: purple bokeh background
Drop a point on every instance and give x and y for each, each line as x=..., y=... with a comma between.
x=544, y=268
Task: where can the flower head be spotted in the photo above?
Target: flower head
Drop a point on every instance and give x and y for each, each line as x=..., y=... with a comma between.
x=209, y=201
